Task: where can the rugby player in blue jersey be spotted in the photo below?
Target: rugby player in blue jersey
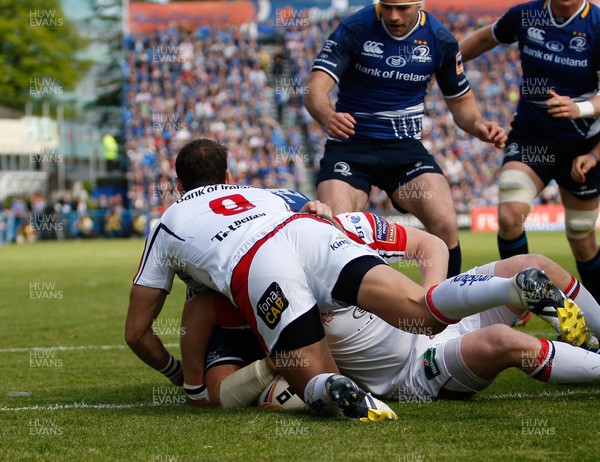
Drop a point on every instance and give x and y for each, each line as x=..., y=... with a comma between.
x=383, y=59
x=555, y=134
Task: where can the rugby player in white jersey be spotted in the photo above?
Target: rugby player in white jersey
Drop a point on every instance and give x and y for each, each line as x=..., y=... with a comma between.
x=282, y=270
x=406, y=365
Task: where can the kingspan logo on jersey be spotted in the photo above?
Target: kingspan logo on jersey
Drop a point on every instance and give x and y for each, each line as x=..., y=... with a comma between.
x=342, y=168
x=372, y=49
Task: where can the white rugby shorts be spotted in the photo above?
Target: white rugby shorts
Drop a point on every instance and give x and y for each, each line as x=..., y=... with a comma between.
x=289, y=271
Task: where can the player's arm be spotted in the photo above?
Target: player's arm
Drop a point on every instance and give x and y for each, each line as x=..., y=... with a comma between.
x=318, y=104
x=563, y=107
x=394, y=243
x=467, y=116
x=241, y=387
x=197, y=323
x=145, y=304
x=430, y=253
x=477, y=43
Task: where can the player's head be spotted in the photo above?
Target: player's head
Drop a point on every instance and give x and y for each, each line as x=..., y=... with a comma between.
x=565, y=8
x=399, y=16
x=201, y=162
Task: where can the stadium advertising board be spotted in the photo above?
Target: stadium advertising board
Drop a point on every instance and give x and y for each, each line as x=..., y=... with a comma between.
x=541, y=218
x=149, y=17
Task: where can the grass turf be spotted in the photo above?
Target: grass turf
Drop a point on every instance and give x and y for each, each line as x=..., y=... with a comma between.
x=104, y=404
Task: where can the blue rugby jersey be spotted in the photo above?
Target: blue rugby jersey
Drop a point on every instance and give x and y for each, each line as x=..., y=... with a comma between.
x=383, y=79
x=562, y=57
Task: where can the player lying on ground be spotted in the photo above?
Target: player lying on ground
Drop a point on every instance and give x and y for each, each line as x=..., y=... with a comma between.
x=389, y=363
x=282, y=269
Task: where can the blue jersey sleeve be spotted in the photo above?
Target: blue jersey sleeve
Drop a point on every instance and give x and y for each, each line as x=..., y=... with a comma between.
x=506, y=29
x=295, y=199
x=596, y=56
x=339, y=49
x=450, y=76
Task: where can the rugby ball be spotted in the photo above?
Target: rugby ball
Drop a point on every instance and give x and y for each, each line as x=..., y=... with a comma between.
x=278, y=395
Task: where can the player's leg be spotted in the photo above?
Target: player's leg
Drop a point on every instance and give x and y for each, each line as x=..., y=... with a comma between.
x=341, y=196
x=519, y=185
x=313, y=373
x=271, y=288
x=428, y=197
x=341, y=183
x=580, y=226
x=487, y=352
x=566, y=282
x=237, y=369
x=395, y=298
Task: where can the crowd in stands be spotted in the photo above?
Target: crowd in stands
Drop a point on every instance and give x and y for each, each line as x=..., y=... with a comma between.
x=36, y=217
x=245, y=86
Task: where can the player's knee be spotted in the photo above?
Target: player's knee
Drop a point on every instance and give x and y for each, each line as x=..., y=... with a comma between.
x=516, y=186
x=509, y=219
x=536, y=260
x=446, y=230
x=580, y=223
x=132, y=336
x=501, y=340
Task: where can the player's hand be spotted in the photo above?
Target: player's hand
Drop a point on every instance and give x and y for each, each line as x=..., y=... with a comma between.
x=271, y=365
x=562, y=107
x=317, y=208
x=491, y=132
x=340, y=125
x=581, y=165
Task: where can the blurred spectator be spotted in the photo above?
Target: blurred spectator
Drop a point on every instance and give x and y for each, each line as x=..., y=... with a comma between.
x=111, y=152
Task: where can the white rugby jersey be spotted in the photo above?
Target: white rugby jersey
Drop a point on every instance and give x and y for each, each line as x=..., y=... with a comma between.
x=370, y=350
x=203, y=235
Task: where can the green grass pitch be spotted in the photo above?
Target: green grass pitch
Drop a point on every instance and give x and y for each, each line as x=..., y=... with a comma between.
x=85, y=396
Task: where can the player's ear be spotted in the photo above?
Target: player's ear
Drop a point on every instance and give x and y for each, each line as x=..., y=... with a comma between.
x=179, y=186
x=228, y=179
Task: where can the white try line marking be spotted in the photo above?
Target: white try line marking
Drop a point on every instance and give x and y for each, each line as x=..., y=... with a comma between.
x=59, y=407
x=73, y=348
x=101, y=406
x=542, y=394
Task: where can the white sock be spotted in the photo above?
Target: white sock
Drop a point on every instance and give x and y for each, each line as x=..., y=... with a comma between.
x=316, y=397
x=560, y=362
x=467, y=294
x=588, y=304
